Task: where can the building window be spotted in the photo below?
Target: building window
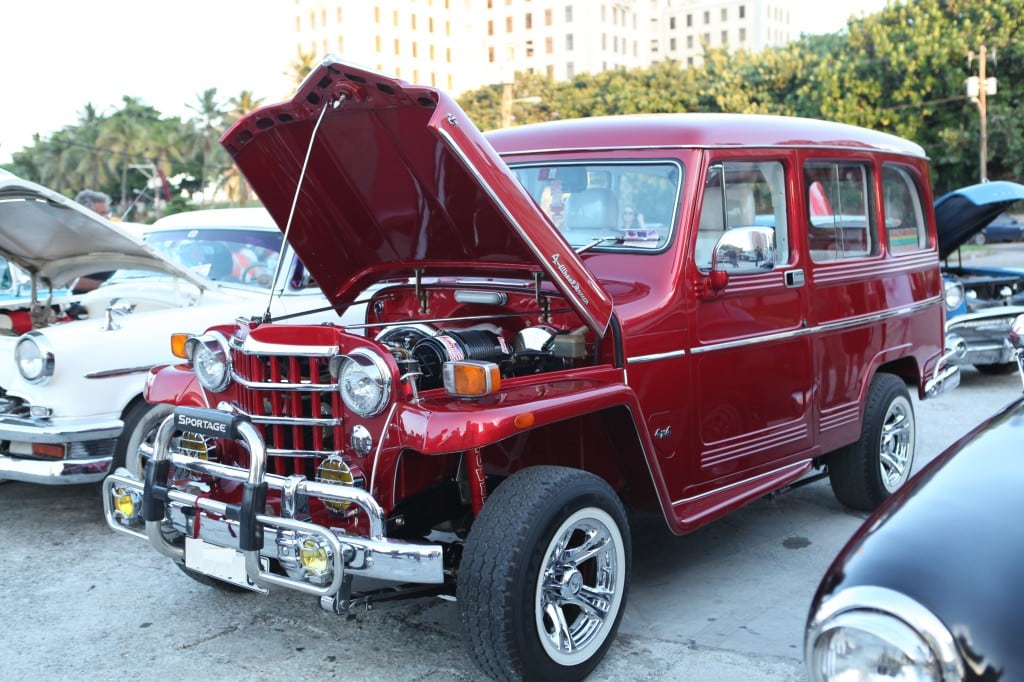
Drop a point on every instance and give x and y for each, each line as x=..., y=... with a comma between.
x=549, y=45
x=377, y=43
x=547, y=17
x=490, y=55
x=743, y=35
x=568, y=13
x=672, y=23
x=508, y=24
x=707, y=18
x=725, y=14
x=689, y=20
x=550, y=70
x=707, y=38
x=689, y=42
x=413, y=18
x=725, y=37
x=415, y=51
x=568, y=42
x=338, y=16
x=376, y=15
x=672, y=44
x=570, y=70
x=529, y=20
x=490, y=27
x=398, y=47
x=341, y=44
x=743, y=11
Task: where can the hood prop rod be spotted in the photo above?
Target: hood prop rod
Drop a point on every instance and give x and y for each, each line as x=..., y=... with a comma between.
x=334, y=104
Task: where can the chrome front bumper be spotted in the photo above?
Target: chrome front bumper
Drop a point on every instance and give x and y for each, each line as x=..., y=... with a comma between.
x=985, y=335
x=946, y=376
x=246, y=529
x=17, y=434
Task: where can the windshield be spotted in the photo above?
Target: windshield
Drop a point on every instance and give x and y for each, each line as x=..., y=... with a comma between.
x=617, y=205
x=227, y=255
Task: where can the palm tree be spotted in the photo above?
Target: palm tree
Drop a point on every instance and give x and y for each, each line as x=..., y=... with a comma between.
x=303, y=65
x=232, y=181
x=210, y=119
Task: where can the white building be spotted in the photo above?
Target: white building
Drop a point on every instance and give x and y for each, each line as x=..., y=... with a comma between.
x=460, y=45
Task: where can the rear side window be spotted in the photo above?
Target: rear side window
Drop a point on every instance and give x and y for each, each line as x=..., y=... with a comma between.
x=839, y=212
x=904, y=217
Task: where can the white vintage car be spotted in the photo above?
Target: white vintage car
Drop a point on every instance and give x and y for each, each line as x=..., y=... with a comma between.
x=71, y=402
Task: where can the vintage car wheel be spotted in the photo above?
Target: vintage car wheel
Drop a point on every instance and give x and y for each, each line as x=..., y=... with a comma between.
x=866, y=473
x=544, y=575
x=135, y=446
x=997, y=368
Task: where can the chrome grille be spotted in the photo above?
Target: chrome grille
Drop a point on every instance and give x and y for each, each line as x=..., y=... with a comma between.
x=294, y=403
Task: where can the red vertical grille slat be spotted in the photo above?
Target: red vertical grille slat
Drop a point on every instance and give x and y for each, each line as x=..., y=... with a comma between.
x=276, y=410
x=295, y=377
x=314, y=407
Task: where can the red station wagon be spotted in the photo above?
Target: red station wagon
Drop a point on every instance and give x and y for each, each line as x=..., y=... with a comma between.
x=674, y=314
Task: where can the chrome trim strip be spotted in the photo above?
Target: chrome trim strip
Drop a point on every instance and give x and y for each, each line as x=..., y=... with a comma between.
x=253, y=347
x=62, y=431
x=55, y=472
x=698, y=147
x=106, y=374
x=653, y=357
x=380, y=446
x=818, y=329
x=685, y=500
x=281, y=386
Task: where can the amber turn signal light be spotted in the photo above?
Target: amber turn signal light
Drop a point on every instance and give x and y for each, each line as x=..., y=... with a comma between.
x=178, y=345
x=471, y=378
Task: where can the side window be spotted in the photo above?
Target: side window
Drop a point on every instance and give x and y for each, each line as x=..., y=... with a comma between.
x=841, y=223
x=904, y=218
x=744, y=194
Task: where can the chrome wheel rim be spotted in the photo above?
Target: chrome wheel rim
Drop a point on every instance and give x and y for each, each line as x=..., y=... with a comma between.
x=896, y=444
x=580, y=586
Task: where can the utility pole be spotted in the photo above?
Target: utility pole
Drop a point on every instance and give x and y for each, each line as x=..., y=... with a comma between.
x=978, y=89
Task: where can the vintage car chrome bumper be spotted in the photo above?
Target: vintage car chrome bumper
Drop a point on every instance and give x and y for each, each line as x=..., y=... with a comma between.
x=986, y=335
x=89, y=447
x=946, y=376
x=245, y=528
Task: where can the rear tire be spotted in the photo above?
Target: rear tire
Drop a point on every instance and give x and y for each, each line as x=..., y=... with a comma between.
x=546, y=561
x=866, y=473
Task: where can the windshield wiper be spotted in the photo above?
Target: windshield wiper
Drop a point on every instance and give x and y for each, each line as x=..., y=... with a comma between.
x=600, y=240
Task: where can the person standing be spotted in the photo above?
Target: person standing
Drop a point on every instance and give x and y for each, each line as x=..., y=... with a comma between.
x=98, y=202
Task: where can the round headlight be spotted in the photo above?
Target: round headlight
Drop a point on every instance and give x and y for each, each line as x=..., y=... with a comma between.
x=954, y=295
x=211, y=361
x=34, y=357
x=364, y=382
x=874, y=633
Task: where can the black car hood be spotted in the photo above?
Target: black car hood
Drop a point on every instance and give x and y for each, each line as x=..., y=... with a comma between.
x=963, y=213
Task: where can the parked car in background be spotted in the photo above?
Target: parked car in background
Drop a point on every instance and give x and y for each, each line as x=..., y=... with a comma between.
x=71, y=404
x=981, y=302
x=1006, y=227
x=929, y=587
x=534, y=366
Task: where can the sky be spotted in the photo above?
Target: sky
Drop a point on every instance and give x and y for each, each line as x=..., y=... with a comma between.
x=58, y=55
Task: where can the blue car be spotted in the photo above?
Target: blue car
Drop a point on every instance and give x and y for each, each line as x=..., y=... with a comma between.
x=981, y=302
x=1005, y=228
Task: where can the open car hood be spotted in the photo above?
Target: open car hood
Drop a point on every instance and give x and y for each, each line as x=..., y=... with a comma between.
x=398, y=180
x=963, y=213
x=57, y=240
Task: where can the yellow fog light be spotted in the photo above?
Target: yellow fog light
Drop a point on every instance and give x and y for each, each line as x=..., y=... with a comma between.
x=314, y=556
x=336, y=471
x=471, y=378
x=124, y=502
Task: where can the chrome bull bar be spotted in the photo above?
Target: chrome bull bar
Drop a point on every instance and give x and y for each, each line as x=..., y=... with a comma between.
x=374, y=555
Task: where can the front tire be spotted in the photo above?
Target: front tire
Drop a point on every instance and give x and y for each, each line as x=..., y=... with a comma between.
x=544, y=575
x=866, y=473
x=135, y=446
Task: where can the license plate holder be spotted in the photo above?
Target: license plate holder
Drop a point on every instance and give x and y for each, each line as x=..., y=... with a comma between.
x=223, y=563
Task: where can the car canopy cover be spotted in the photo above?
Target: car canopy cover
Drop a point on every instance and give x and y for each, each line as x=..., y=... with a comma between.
x=963, y=213
x=56, y=239
x=398, y=181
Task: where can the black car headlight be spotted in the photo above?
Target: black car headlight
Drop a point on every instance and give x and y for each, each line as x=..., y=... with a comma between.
x=34, y=357
x=873, y=633
x=211, y=360
x=364, y=382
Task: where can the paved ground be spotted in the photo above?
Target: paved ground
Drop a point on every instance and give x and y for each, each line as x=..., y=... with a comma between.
x=725, y=603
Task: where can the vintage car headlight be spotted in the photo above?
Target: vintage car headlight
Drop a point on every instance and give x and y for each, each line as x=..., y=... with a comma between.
x=211, y=361
x=34, y=357
x=954, y=295
x=364, y=381
x=873, y=633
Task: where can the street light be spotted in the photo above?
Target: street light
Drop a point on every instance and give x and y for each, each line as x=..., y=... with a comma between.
x=978, y=94
x=507, y=102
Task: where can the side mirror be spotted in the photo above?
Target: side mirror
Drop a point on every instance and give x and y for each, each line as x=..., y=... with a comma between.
x=743, y=249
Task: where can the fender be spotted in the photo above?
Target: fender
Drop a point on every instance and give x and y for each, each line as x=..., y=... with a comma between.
x=175, y=385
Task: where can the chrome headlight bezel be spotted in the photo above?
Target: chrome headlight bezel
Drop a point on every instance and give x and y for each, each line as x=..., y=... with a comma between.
x=890, y=618
x=377, y=387
x=210, y=357
x=953, y=295
x=34, y=357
